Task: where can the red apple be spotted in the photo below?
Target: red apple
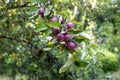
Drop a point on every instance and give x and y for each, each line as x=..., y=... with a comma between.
x=70, y=25
x=60, y=36
x=55, y=30
x=71, y=45
x=41, y=11
x=67, y=37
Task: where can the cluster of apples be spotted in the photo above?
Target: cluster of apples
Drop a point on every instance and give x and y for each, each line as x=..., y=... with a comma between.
x=60, y=34
x=65, y=36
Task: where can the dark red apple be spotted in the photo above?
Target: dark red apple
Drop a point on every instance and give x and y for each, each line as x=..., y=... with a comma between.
x=55, y=30
x=41, y=11
x=70, y=25
x=71, y=45
x=60, y=36
x=67, y=37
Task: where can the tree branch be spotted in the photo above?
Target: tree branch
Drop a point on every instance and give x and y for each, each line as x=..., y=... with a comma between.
x=24, y=41
x=16, y=7
x=21, y=6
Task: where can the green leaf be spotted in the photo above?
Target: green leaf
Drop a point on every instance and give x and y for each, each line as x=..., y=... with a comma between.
x=93, y=45
x=74, y=31
x=35, y=16
x=41, y=27
x=80, y=39
x=33, y=8
x=63, y=69
x=81, y=63
x=67, y=65
x=47, y=12
x=65, y=13
x=100, y=55
x=54, y=24
x=85, y=35
x=48, y=31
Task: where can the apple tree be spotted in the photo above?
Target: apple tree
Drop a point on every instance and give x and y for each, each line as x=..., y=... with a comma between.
x=49, y=39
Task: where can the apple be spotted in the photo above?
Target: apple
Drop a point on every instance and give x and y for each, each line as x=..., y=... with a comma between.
x=71, y=45
x=41, y=11
x=70, y=25
x=67, y=37
x=55, y=30
x=60, y=36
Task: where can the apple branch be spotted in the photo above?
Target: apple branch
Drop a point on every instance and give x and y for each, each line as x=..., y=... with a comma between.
x=15, y=39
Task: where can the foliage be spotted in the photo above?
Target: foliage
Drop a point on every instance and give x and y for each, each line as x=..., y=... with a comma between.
x=29, y=47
